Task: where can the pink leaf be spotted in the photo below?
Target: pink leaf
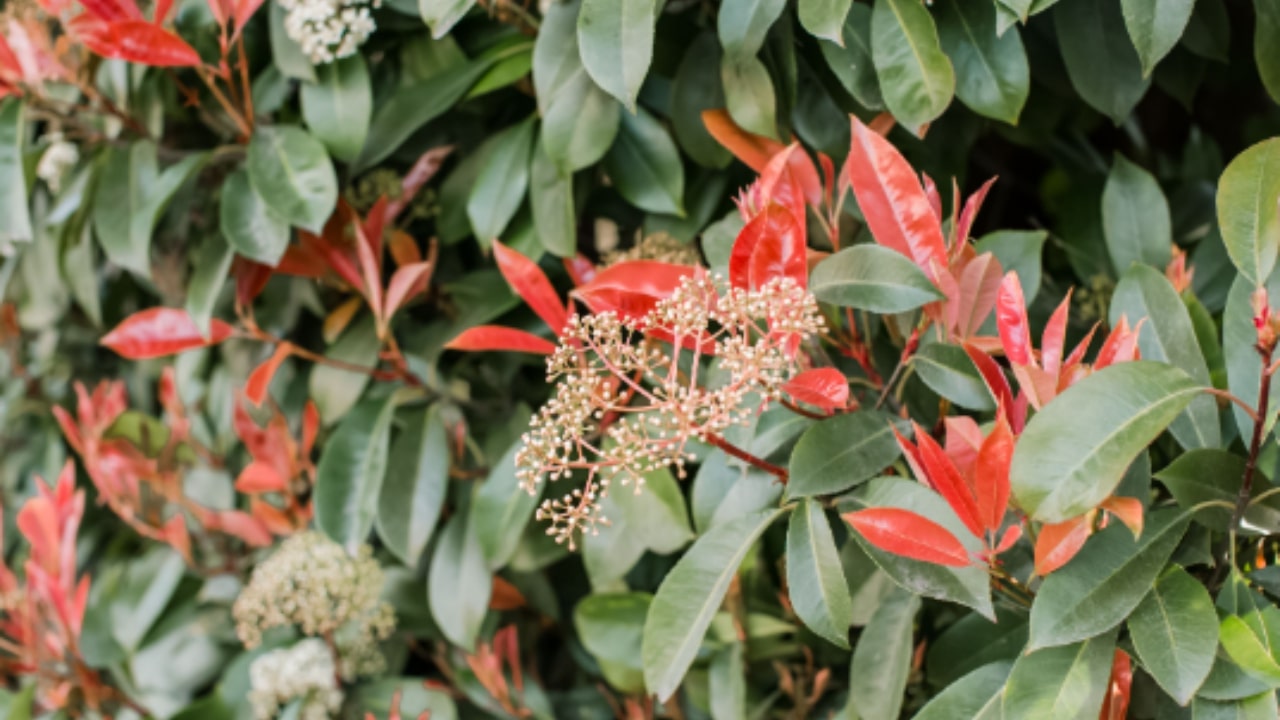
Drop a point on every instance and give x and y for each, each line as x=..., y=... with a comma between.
x=1011, y=320
x=404, y=282
x=158, y=332
x=142, y=42
x=255, y=388
x=908, y=534
x=826, y=388
x=493, y=337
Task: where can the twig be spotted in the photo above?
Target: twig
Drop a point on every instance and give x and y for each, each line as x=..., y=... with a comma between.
x=779, y=472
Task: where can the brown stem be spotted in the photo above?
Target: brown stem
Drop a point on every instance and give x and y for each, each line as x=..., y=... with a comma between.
x=1232, y=398
x=779, y=472
x=1255, y=444
x=803, y=412
x=245, y=84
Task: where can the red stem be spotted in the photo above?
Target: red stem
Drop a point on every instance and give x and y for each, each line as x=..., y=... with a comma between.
x=779, y=472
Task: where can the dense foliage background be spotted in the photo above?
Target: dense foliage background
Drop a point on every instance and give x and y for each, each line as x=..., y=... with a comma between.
x=257, y=259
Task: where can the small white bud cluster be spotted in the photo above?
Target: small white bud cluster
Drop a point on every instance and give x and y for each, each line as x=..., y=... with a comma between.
x=302, y=672
x=329, y=30
x=312, y=583
x=57, y=159
x=659, y=246
x=626, y=404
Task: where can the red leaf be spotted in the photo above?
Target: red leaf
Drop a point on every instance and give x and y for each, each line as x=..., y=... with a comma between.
x=1010, y=537
x=370, y=260
x=971, y=206
x=950, y=484
x=1120, y=346
x=991, y=473
x=251, y=279
x=494, y=337
x=1116, y=704
x=963, y=440
x=532, y=285
x=910, y=535
x=255, y=388
x=896, y=207
x=244, y=10
x=142, y=42
x=158, y=332
x=1059, y=542
x=1011, y=320
x=632, y=288
x=771, y=246
x=824, y=387
x=992, y=375
x=791, y=179
x=260, y=477
x=112, y=10
x=425, y=168
x=580, y=269
x=931, y=192
x=1055, y=337
x=221, y=10
x=404, y=281
x=93, y=32
x=374, y=226
x=241, y=525
x=979, y=286
x=1128, y=509
x=505, y=596
x=753, y=150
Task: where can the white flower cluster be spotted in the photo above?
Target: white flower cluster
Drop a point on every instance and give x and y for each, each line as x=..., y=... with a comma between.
x=312, y=583
x=659, y=246
x=631, y=398
x=329, y=30
x=303, y=672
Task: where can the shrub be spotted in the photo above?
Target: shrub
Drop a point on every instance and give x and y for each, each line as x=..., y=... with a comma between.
x=617, y=358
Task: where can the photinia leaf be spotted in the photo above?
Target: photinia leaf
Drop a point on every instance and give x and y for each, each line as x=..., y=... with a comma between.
x=1248, y=192
x=769, y=247
x=1061, y=682
x=1011, y=321
x=414, y=489
x=1135, y=217
x=1074, y=452
x=255, y=388
x=1100, y=58
x=977, y=695
x=1155, y=28
x=815, y=581
x=916, y=76
x=459, y=583
x=992, y=74
x=1175, y=632
x=615, y=38
x=992, y=375
x=753, y=150
x=406, y=282
x=942, y=475
x=826, y=388
x=1057, y=543
x=894, y=203
x=874, y=278
x=991, y=474
x=910, y=535
x=113, y=10
x=157, y=332
x=824, y=18
x=948, y=371
x=882, y=661
x=292, y=173
x=351, y=470
x=148, y=44
x=837, y=453
x=632, y=288
x=496, y=337
x=532, y=285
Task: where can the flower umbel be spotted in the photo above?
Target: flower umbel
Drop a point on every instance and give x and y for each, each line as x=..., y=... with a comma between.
x=329, y=30
x=634, y=392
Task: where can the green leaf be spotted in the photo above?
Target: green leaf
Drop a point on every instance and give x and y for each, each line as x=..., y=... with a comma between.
x=977, y=696
x=689, y=597
x=1098, y=589
x=442, y=15
x=414, y=489
x=19, y=705
x=415, y=105
x=500, y=187
x=968, y=586
x=15, y=215
x=611, y=627
x=645, y=165
x=500, y=510
x=1155, y=26
x=697, y=87
x=615, y=38
x=334, y=390
x=1019, y=251
x=1209, y=32
x=882, y=659
x=1063, y=683
x=459, y=584
x=948, y=371
x=286, y=53
x=1253, y=641
x=1100, y=59
x=351, y=470
x=1135, y=217
x=749, y=95
x=842, y=451
x=1175, y=631
x=292, y=173
x=1257, y=707
x=1248, y=193
x=1266, y=45
x=375, y=696
x=551, y=199
x=742, y=25
x=916, y=77
x=819, y=593
x=1211, y=474
x=1168, y=336
x=872, y=277
x=338, y=106
x=136, y=595
x=579, y=120
x=129, y=199
x=248, y=223
x=824, y=19
x=851, y=61
x=654, y=519
x=1074, y=452
x=992, y=75
x=973, y=642
x=727, y=684
x=209, y=267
